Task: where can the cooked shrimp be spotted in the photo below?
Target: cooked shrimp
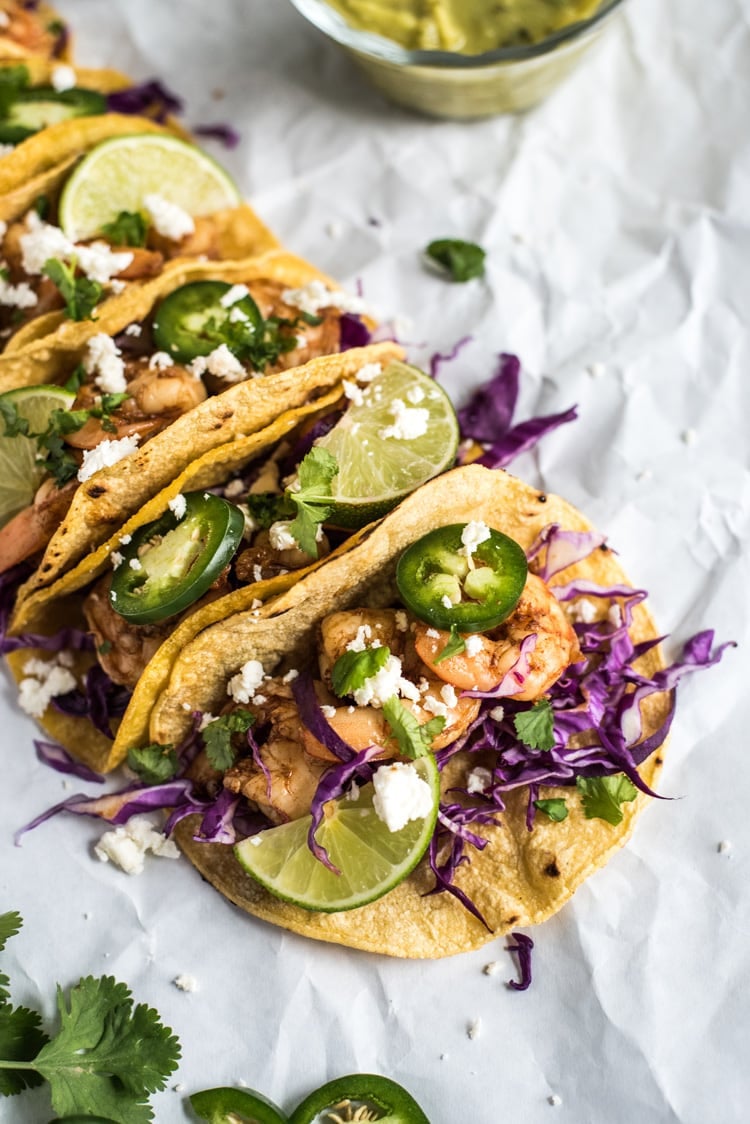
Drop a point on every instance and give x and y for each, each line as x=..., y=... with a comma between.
x=203, y=242
x=123, y=649
x=30, y=530
x=364, y=627
x=294, y=777
x=156, y=398
x=537, y=612
x=261, y=560
x=145, y=263
x=26, y=33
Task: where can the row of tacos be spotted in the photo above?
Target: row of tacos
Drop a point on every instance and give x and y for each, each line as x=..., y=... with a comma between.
x=183, y=577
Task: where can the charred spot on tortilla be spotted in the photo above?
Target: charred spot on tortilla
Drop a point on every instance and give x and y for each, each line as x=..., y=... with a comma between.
x=542, y=497
x=96, y=491
x=552, y=870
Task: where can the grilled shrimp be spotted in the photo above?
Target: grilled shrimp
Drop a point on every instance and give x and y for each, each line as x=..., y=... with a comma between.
x=287, y=793
x=123, y=649
x=30, y=530
x=537, y=612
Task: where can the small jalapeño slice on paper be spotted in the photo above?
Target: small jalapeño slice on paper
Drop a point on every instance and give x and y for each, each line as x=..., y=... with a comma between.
x=378, y=468
x=367, y=1094
x=235, y=1106
x=372, y=859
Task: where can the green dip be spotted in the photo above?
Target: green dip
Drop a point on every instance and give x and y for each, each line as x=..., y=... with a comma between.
x=468, y=27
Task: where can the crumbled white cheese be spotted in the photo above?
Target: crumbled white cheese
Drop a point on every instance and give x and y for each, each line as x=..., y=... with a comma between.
x=44, y=680
x=234, y=489
x=474, y=1029
x=415, y=395
x=313, y=297
x=221, y=363
x=117, y=287
x=596, y=370
x=400, y=795
x=614, y=615
x=41, y=242
x=689, y=436
x=360, y=641
x=433, y=634
x=63, y=78
x=448, y=695
x=290, y=676
x=381, y=686
x=17, y=296
x=125, y=539
x=409, y=422
x=237, y=316
x=474, y=533
x=244, y=684
x=105, y=454
x=257, y=573
x=583, y=611
x=101, y=263
x=353, y=392
x=402, y=621
x=116, y=559
x=206, y=720
x=160, y=361
x=169, y=219
x=478, y=780
x=178, y=506
x=434, y=706
x=554, y=1100
x=103, y=359
x=185, y=982
x=128, y=845
x=135, y=564
x=328, y=711
x=369, y=372
x=446, y=601
x=236, y=293
x=133, y=330
x=725, y=847
x=279, y=536
x=497, y=713
x=491, y=968
x=474, y=646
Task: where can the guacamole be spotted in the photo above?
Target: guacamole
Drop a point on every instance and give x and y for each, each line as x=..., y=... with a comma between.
x=468, y=27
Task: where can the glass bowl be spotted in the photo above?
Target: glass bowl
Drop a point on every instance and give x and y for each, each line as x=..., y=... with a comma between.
x=446, y=84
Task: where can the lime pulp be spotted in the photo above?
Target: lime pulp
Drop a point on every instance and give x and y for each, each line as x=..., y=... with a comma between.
x=20, y=474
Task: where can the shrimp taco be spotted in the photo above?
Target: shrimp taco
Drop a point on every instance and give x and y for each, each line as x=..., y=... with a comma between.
x=163, y=376
x=32, y=30
x=431, y=739
x=240, y=524
x=94, y=207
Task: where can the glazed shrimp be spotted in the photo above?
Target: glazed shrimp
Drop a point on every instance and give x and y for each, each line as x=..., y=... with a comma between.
x=287, y=793
x=537, y=612
x=124, y=649
x=26, y=34
x=30, y=530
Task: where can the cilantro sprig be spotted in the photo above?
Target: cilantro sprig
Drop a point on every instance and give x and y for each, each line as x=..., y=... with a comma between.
x=217, y=737
x=554, y=809
x=153, y=764
x=461, y=261
x=128, y=229
x=413, y=740
x=81, y=294
x=312, y=498
x=603, y=797
x=351, y=669
x=535, y=727
x=107, y=1058
x=455, y=646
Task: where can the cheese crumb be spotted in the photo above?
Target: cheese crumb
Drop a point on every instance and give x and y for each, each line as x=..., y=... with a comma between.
x=313, y=297
x=244, y=684
x=725, y=847
x=169, y=219
x=409, y=422
x=474, y=533
x=583, y=611
x=17, y=296
x=400, y=795
x=491, y=968
x=133, y=330
x=328, y=711
x=353, y=392
x=474, y=645
x=178, y=506
x=279, y=536
x=369, y=372
x=554, y=1100
x=63, y=78
x=135, y=564
x=116, y=559
x=103, y=360
x=160, y=361
x=474, y=1029
x=497, y=713
x=106, y=454
x=233, y=295
x=128, y=845
x=185, y=982
x=479, y=780
x=221, y=363
x=45, y=680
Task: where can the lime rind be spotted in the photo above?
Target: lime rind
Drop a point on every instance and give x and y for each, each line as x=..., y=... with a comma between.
x=20, y=473
x=372, y=860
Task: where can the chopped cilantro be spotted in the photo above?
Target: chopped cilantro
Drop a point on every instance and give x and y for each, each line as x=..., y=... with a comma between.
x=555, y=808
x=268, y=507
x=352, y=668
x=15, y=424
x=413, y=740
x=77, y=379
x=312, y=499
x=153, y=763
x=81, y=294
x=602, y=797
x=217, y=737
x=456, y=644
x=535, y=727
x=461, y=260
x=128, y=229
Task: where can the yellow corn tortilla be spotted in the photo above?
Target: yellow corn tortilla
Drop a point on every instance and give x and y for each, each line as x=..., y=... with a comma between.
x=522, y=877
x=108, y=499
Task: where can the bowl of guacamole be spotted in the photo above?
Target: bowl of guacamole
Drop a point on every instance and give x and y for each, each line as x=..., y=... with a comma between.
x=463, y=58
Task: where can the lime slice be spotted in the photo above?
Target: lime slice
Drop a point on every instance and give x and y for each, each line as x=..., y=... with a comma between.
x=20, y=475
x=372, y=859
x=378, y=467
x=117, y=174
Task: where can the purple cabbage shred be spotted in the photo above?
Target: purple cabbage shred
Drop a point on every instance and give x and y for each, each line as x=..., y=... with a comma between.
x=100, y=699
x=354, y=332
x=522, y=949
x=223, y=133
x=146, y=99
x=52, y=754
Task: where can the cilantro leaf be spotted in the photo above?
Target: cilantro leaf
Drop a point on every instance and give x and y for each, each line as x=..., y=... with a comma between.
x=10, y=923
x=21, y=1039
x=602, y=797
x=15, y=423
x=268, y=507
x=554, y=809
x=461, y=260
x=535, y=727
x=153, y=763
x=456, y=644
x=217, y=737
x=312, y=498
x=413, y=740
x=128, y=229
x=352, y=668
x=77, y=379
x=108, y=1056
x=81, y=294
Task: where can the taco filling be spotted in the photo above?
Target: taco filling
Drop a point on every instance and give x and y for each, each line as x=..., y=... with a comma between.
x=31, y=29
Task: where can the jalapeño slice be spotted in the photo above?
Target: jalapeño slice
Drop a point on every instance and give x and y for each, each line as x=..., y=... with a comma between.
x=235, y=1106
x=440, y=585
x=41, y=106
x=192, y=321
x=171, y=562
x=374, y=1097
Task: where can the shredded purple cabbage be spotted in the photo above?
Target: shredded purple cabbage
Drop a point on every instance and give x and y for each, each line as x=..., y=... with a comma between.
x=332, y=785
x=562, y=549
x=438, y=359
x=353, y=332
x=52, y=754
x=303, y=689
x=145, y=99
x=487, y=417
x=522, y=949
x=223, y=133
x=100, y=699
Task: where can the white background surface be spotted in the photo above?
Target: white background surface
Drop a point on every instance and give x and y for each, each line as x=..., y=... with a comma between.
x=616, y=221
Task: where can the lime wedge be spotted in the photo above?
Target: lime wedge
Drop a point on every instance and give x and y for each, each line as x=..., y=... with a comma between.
x=372, y=859
x=117, y=174
x=378, y=465
x=20, y=475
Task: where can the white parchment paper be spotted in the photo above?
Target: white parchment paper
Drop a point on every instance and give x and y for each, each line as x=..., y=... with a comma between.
x=617, y=223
